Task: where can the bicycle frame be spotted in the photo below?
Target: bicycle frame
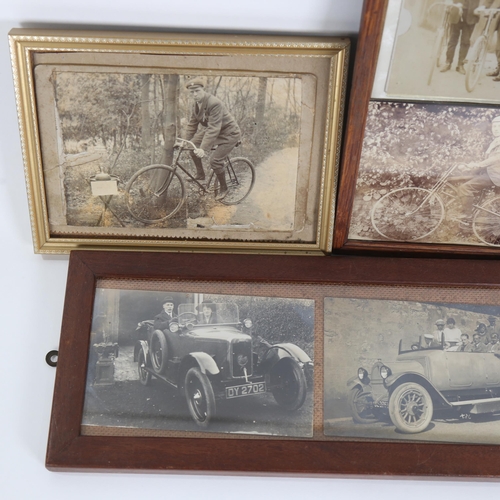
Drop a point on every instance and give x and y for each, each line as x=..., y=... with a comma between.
x=204, y=188
x=437, y=187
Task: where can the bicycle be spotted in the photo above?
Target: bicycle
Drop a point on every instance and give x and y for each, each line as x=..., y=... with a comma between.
x=442, y=37
x=479, y=51
x=157, y=192
x=414, y=213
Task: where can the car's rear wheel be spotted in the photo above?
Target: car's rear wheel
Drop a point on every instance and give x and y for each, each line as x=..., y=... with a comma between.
x=158, y=351
x=411, y=408
x=144, y=375
x=361, y=404
x=199, y=396
x=288, y=384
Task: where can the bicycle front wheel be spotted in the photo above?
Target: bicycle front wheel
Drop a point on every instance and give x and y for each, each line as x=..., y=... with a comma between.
x=407, y=214
x=439, y=52
x=240, y=178
x=476, y=63
x=486, y=223
x=155, y=193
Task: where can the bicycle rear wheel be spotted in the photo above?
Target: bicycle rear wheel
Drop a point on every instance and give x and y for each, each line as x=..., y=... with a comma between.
x=486, y=223
x=476, y=63
x=406, y=215
x=240, y=178
x=154, y=193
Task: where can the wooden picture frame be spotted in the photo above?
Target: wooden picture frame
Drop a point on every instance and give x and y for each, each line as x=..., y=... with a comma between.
x=367, y=77
x=108, y=164
x=69, y=449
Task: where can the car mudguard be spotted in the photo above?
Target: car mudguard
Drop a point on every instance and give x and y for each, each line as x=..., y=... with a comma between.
x=277, y=352
x=205, y=362
x=141, y=344
x=394, y=381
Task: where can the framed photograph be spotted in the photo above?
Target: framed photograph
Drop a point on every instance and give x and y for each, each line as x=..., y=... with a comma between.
x=281, y=365
x=180, y=141
x=425, y=109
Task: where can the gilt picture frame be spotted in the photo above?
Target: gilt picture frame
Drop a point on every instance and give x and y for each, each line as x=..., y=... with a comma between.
x=118, y=153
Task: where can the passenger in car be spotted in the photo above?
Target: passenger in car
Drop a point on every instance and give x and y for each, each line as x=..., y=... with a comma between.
x=207, y=314
x=162, y=320
x=494, y=345
x=451, y=333
x=439, y=332
x=477, y=345
x=492, y=326
x=430, y=342
x=462, y=345
x=483, y=334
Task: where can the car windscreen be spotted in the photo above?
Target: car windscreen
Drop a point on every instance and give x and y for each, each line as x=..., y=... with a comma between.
x=208, y=313
x=418, y=344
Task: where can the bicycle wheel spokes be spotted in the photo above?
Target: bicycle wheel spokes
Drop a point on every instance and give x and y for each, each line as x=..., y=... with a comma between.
x=407, y=214
x=240, y=178
x=486, y=222
x=155, y=193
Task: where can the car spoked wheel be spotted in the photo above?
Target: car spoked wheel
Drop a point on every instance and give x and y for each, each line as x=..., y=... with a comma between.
x=144, y=375
x=288, y=384
x=361, y=404
x=410, y=408
x=199, y=396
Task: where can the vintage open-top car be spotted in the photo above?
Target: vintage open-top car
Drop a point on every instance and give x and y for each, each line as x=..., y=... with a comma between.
x=424, y=382
x=206, y=362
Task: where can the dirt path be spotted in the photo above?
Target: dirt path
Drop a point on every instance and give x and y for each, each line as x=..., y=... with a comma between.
x=271, y=204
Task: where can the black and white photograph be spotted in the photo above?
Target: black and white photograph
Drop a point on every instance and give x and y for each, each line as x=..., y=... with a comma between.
x=440, y=50
x=412, y=370
x=429, y=173
x=180, y=151
x=164, y=361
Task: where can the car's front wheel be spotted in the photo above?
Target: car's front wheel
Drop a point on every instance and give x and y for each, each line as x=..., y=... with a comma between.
x=361, y=404
x=144, y=375
x=288, y=384
x=199, y=396
x=410, y=408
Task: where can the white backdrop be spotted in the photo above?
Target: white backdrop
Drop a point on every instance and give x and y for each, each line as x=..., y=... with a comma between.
x=33, y=286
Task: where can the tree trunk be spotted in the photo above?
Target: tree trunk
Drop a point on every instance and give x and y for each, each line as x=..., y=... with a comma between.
x=259, y=131
x=146, y=121
x=170, y=117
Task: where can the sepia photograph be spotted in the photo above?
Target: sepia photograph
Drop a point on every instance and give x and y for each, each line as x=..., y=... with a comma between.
x=440, y=50
x=429, y=173
x=177, y=151
x=182, y=141
x=170, y=362
x=400, y=370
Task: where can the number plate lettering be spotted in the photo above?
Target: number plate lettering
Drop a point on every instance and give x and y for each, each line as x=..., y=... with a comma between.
x=238, y=391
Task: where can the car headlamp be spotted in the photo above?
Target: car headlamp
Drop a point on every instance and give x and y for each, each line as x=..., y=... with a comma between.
x=248, y=323
x=174, y=327
x=385, y=371
x=362, y=374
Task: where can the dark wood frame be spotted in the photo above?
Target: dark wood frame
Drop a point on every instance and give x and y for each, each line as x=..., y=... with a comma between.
x=68, y=450
x=370, y=36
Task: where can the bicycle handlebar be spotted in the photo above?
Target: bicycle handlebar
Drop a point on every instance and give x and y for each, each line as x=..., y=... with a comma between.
x=448, y=5
x=178, y=139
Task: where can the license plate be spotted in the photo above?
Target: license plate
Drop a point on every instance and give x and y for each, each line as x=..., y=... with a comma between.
x=238, y=391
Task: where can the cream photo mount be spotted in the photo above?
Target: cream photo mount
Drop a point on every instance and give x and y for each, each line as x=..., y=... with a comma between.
x=106, y=122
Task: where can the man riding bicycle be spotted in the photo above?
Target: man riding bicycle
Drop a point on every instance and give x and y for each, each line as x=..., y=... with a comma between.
x=486, y=175
x=218, y=128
